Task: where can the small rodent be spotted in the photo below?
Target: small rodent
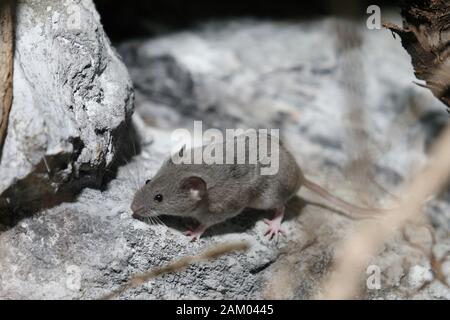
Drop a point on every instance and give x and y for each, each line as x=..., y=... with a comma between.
x=213, y=193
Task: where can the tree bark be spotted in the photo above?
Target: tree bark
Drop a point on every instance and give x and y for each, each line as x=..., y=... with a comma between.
x=426, y=36
x=7, y=11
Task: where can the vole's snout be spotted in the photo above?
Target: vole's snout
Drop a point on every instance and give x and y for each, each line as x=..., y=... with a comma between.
x=137, y=210
x=135, y=215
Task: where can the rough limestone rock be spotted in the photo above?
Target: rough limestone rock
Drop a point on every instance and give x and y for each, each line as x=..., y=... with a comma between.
x=326, y=97
x=72, y=100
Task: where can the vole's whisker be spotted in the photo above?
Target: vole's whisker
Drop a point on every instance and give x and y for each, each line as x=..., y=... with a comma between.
x=140, y=176
x=160, y=221
x=133, y=178
x=130, y=188
x=134, y=147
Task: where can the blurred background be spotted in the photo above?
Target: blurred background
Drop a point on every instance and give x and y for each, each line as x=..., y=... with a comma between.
x=135, y=18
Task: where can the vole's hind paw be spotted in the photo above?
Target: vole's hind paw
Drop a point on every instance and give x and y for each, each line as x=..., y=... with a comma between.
x=274, y=228
x=275, y=224
x=196, y=233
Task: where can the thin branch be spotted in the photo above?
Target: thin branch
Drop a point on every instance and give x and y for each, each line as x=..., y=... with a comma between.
x=210, y=254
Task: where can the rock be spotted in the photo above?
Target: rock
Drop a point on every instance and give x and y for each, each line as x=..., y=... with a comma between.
x=73, y=99
x=249, y=74
x=418, y=275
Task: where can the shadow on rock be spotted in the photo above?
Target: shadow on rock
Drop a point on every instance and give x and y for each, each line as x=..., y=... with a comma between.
x=55, y=178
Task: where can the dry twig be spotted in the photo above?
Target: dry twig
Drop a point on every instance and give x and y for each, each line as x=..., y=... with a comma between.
x=6, y=64
x=210, y=254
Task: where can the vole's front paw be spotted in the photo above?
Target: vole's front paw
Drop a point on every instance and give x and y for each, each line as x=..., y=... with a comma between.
x=196, y=233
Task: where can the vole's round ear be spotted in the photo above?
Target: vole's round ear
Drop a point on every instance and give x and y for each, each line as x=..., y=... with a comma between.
x=196, y=187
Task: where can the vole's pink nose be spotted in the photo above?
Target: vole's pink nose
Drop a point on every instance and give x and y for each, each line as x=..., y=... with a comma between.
x=136, y=209
x=135, y=216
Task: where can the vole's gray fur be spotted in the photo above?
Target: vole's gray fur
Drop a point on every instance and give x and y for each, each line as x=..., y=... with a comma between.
x=213, y=193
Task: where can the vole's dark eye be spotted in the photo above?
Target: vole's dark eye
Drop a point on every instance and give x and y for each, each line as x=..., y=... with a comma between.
x=148, y=181
x=158, y=197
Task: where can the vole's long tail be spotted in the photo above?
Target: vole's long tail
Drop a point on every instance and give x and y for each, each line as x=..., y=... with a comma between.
x=341, y=204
